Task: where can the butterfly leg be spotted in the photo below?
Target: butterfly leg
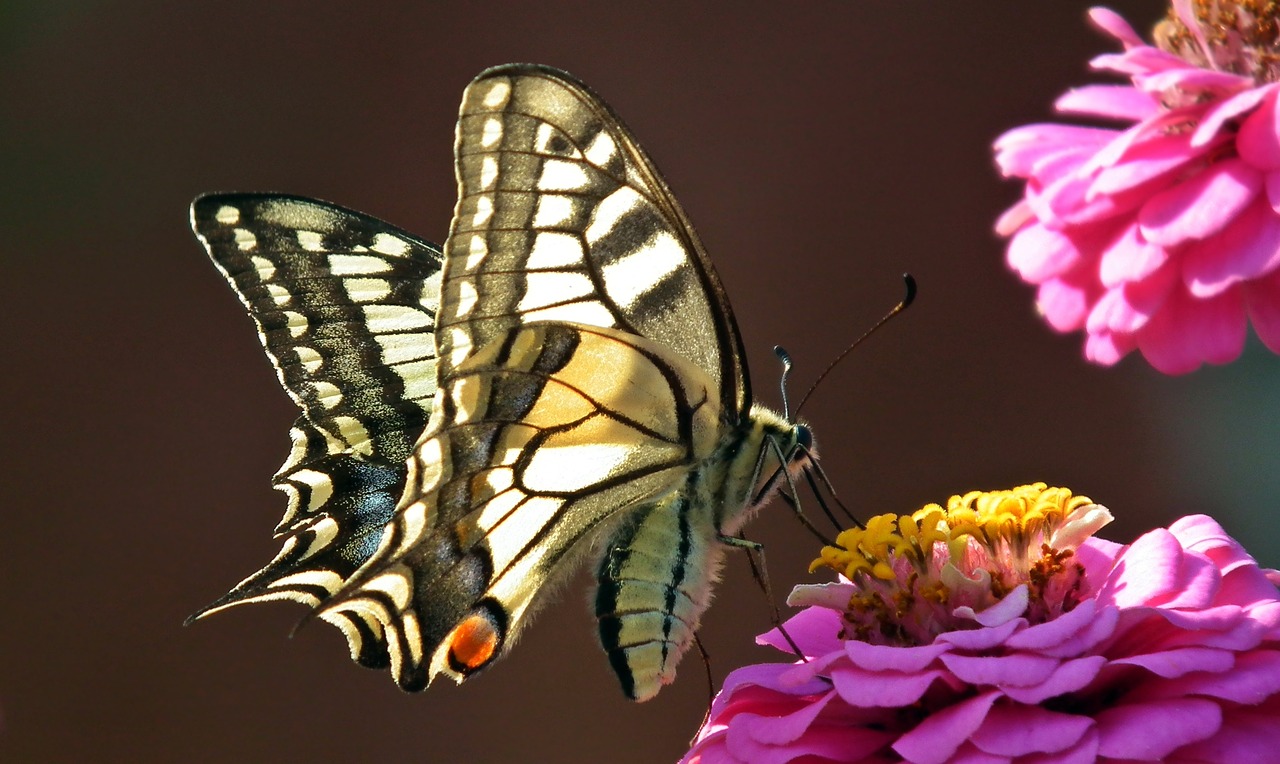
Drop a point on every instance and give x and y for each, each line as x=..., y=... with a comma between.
x=760, y=572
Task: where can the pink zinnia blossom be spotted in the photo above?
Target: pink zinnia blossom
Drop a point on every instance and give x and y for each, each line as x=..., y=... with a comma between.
x=999, y=630
x=1163, y=235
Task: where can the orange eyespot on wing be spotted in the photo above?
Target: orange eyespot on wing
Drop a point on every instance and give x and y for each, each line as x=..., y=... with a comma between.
x=474, y=642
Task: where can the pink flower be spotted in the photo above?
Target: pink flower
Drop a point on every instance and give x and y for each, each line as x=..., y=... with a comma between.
x=1163, y=235
x=999, y=630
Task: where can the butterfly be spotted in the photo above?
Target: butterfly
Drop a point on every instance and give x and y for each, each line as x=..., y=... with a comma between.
x=564, y=381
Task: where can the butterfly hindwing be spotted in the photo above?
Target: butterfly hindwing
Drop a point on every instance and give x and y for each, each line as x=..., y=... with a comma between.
x=547, y=436
x=345, y=309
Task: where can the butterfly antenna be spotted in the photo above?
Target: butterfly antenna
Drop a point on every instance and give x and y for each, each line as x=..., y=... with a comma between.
x=785, y=357
x=901, y=306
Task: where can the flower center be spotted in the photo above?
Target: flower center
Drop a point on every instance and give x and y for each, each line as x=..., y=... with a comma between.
x=916, y=576
x=1237, y=36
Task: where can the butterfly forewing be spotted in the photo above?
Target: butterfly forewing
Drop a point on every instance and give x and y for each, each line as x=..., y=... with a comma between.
x=345, y=308
x=561, y=216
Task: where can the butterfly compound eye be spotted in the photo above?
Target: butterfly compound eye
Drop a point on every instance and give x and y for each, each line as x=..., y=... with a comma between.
x=804, y=441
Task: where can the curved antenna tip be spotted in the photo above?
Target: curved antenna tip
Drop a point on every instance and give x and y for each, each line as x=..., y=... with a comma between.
x=910, y=297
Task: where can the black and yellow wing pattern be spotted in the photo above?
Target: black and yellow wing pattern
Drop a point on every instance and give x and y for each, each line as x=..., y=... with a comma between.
x=592, y=399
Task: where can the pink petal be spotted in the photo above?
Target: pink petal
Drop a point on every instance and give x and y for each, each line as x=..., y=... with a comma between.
x=1187, y=332
x=892, y=689
x=1107, y=349
x=1227, y=111
x=816, y=630
x=1246, y=735
x=777, y=677
x=1144, y=161
x=1127, y=731
x=1039, y=253
x=1114, y=314
x=1272, y=184
x=935, y=739
x=1055, y=632
x=1013, y=218
x=1139, y=61
x=1114, y=24
x=1255, y=677
x=1020, y=151
x=1016, y=670
x=1064, y=303
x=1201, y=206
x=1203, y=534
x=1247, y=248
x=1084, y=752
x=1110, y=101
x=1148, y=570
x=784, y=728
x=1069, y=676
x=1013, y=731
x=890, y=658
x=980, y=639
x=1262, y=299
x=1258, y=139
x=1129, y=307
x=1192, y=79
x=1175, y=663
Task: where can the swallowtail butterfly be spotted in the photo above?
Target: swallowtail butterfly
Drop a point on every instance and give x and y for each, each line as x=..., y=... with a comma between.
x=565, y=379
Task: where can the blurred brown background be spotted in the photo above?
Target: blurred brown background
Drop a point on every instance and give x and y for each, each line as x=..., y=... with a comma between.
x=822, y=149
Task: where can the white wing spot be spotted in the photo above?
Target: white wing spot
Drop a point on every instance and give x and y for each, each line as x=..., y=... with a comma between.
x=387, y=244
x=309, y=358
x=479, y=249
x=227, y=215
x=630, y=277
x=279, y=295
x=488, y=172
x=354, y=433
x=491, y=133
x=484, y=211
x=466, y=299
x=327, y=579
x=296, y=323
x=402, y=348
x=266, y=269
x=311, y=241
x=245, y=239
x=602, y=149
x=574, y=468
x=393, y=585
x=367, y=290
x=356, y=265
x=542, y=289
x=498, y=94
x=419, y=378
x=328, y=393
x=321, y=488
x=552, y=211
x=461, y=345
x=388, y=319
x=562, y=175
x=546, y=135
x=609, y=211
x=553, y=249
x=589, y=313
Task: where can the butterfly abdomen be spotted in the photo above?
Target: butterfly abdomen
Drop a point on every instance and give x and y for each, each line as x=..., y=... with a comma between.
x=653, y=585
